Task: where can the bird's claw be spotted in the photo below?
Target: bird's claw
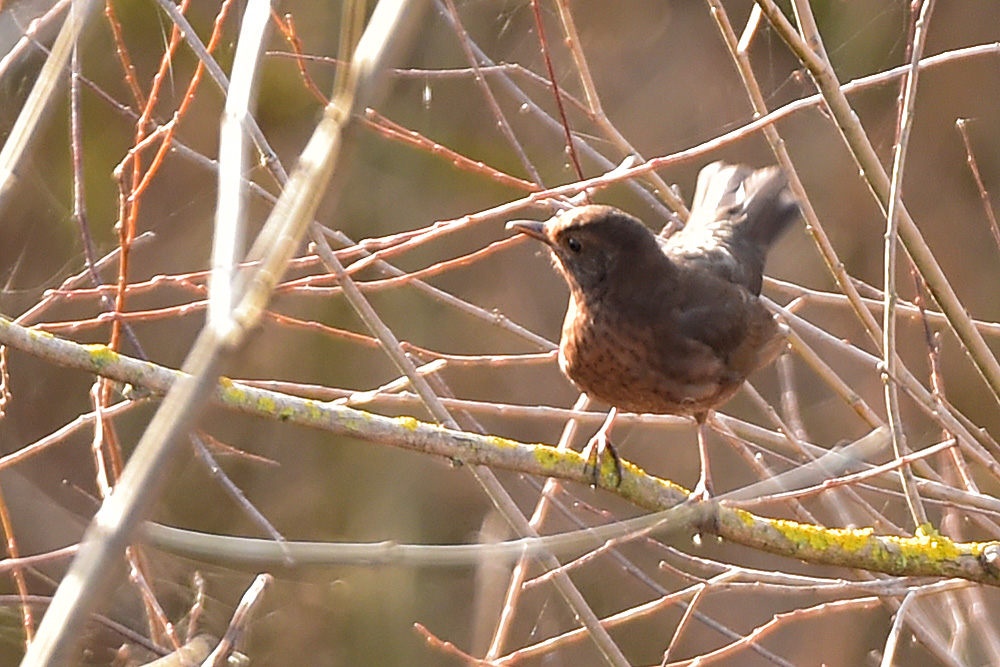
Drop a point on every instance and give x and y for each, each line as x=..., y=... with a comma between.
x=703, y=489
x=594, y=453
x=700, y=493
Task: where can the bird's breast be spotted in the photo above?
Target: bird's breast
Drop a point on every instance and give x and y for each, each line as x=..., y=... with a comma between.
x=625, y=362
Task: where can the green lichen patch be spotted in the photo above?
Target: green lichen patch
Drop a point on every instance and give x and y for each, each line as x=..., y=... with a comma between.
x=101, y=355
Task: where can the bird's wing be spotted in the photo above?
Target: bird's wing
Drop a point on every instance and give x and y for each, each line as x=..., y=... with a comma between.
x=725, y=318
x=720, y=323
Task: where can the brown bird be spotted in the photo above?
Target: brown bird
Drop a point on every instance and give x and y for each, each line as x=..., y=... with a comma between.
x=675, y=325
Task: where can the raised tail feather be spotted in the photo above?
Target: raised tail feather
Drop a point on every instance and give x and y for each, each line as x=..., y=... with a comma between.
x=736, y=215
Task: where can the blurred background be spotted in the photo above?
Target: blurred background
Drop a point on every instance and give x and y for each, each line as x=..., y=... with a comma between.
x=667, y=83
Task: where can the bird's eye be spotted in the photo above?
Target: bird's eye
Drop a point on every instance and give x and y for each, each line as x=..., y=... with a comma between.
x=574, y=244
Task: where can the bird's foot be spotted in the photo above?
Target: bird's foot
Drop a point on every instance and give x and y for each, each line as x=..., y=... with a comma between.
x=703, y=489
x=594, y=454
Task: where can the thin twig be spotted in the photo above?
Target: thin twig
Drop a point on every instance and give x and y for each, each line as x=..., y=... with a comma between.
x=917, y=511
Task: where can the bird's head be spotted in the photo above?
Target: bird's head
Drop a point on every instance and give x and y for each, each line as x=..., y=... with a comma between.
x=593, y=243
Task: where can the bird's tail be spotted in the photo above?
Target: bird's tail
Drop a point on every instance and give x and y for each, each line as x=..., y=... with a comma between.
x=736, y=215
x=757, y=203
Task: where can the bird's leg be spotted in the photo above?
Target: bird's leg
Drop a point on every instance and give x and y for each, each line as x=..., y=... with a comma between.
x=703, y=490
x=600, y=443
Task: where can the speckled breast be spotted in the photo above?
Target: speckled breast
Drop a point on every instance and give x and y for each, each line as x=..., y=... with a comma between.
x=611, y=362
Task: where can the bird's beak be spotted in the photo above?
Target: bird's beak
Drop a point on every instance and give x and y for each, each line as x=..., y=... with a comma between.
x=531, y=228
